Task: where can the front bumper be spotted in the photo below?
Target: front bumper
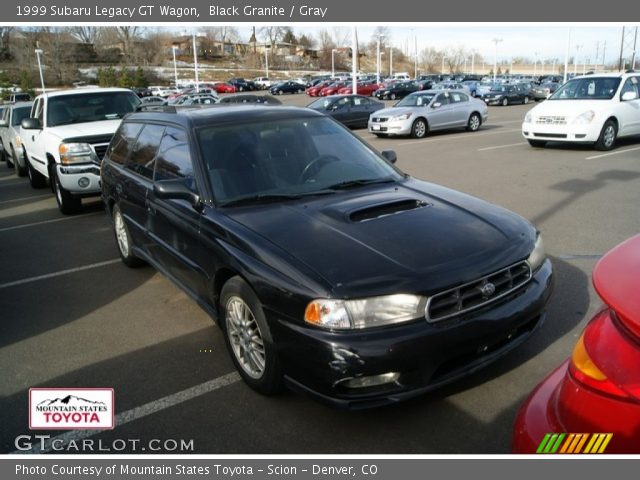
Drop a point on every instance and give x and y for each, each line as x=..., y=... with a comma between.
x=562, y=133
x=426, y=356
x=72, y=175
x=391, y=127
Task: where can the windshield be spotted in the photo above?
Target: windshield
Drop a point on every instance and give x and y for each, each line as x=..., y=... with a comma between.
x=416, y=100
x=287, y=158
x=19, y=114
x=90, y=107
x=591, y=88
x=321, y=103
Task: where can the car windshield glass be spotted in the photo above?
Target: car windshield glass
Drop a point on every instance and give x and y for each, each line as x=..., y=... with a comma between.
x=498, y=87
x=321, y=103
x=287, y=159
x=90, y=107
x=591, y=88
x=19, y=114
x=415, y=100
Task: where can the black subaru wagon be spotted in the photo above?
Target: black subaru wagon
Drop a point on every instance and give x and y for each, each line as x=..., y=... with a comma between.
x=329, y=269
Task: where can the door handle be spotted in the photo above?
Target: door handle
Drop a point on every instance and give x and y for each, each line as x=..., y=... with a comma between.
x=150, y=208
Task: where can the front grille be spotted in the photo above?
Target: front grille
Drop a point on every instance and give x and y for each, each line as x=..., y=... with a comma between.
x=551, y=120
x=379, y=119
x=100, y=150
x=550, y=135
x=478, y=293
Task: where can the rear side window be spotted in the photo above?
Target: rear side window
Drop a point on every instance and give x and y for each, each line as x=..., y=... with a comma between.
x=174, y=159
x=123, y=141
x=144, y=152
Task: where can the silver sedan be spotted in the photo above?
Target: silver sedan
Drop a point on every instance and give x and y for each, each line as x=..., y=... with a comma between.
x=429, y=110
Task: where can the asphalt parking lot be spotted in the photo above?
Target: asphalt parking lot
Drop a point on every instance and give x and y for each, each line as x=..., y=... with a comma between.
x=74, y=316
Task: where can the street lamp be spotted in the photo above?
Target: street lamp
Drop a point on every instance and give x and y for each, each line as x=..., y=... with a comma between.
x=378, y=59
x=38, y=53
x=391, y=61
x=473, y=62
x=174, y=47
x=333, y=62
x=496, y=41
x=266, y=59
x=535, y=63
x=575, y=60
x=442, y=69
x=195, y=62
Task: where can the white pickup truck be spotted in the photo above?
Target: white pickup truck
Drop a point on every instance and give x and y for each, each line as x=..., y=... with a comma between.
x=66, y=137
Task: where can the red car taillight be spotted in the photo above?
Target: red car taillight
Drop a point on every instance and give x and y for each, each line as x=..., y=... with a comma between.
x=606, y=358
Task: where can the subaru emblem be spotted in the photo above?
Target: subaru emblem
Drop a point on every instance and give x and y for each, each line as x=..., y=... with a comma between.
x=488, y=289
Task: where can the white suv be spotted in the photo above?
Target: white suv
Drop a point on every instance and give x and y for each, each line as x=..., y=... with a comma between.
x=589, y=109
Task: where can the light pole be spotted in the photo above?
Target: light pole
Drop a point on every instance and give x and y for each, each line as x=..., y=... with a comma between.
x=195, y=62
x=38, y=53
x=575, y=60
x=333, y=62
x=473, y=62
x=442, y=70
x=566, y=56
x=391, y=61
x=378, y=59
x=266, y=60
x=535, y=64
x=415, y=65
x=496, y=41
x=174, y=47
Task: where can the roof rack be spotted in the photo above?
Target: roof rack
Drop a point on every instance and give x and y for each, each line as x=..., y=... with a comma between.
x=156, y=108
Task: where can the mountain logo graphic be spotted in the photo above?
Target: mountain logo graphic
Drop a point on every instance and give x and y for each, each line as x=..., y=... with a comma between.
x=71, y=409
x=70, y=400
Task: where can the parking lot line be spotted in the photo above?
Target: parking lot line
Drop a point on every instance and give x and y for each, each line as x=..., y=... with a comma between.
x=144, y=410
x=458, y=136
x=24, y=198
x=58, y=274
x=501, y=146
x=617, y=152
x=43, y=222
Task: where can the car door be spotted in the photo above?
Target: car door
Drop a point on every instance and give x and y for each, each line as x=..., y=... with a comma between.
x=360, y=111
x=459, y=109
x=174, y=224
x=341, y=110
x=31, y=140
x=629, y=110
x=439, y=113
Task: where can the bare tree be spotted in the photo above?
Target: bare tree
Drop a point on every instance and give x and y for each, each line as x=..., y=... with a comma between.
x=5, y=40
x=128, y=35
x=85, y=34
x=272, y=34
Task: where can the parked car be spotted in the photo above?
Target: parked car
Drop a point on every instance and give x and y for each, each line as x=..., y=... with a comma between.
x=66, y=136
x=20, y=97
x=366, y=89
x=223, y=87
x=425, y=111
x=11, y=143
x=483, y=88
x=300, y=240
x=251, y=98
x=541, y=92
x=153, y=101
x=160, y=91
x=263, y=83
x=243, y=85
x=396, y=90
x=596, y=109
x=451, y=85
x=332, y=89
x=596, y=390
x=350, y=110
x=472, y=86
x=506, y=95
x=314, y=91
x=286, y=87
x=201, y=99
x=142, y=92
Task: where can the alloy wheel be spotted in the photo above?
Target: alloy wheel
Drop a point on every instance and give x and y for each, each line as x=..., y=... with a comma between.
x=245, y=337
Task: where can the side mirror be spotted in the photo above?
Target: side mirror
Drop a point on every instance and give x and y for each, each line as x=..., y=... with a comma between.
x=548, y=95
x=3, y=123
x=436, y=105
x=176, y=190
x=31, y=124
x=626, y=97
x=389, y=155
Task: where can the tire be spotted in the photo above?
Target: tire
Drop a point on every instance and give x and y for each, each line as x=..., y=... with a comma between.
x=537, y=143
x=473, y=125
x=379, y=135
x=300, y=91
x=279, y=92
x=67, y=202
x=505, y=102
x=20, y=171
x=525, y=100
x=419, y=128
x=36, y=179
x=392, y=96
x=248, y=337
x=241, y=89
x=608, y=135
x=123, y=240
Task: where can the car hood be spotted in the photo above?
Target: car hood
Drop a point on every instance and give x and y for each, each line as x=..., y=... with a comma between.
x=366, y=241
x=570, y=108
x=88, y=129
x=393, y=111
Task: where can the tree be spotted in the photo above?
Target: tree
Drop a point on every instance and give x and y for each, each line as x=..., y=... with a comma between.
x=127, y=36
x=272, y=34
x=289, y=36
x=140, y=79
x=107, y=76
x=85, y=34
x=306, y=41
x=124, y=80
x=26, y=83
x=5, y=38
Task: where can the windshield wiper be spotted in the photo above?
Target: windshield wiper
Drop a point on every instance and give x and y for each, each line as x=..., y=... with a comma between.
x=272, y=197
x=359, y=182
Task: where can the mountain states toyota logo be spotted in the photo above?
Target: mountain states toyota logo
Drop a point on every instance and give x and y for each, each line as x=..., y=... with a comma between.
x=71, y=409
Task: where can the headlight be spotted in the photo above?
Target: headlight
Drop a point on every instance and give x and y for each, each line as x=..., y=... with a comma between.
x=366, y=312
x=76, y=153
x=404, y=116
x=528, y=118
x=18, y=142
x=585, y=118
x=537, y=256
x=497, y=96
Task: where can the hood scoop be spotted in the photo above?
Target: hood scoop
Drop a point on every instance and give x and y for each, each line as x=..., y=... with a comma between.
x=371, y=212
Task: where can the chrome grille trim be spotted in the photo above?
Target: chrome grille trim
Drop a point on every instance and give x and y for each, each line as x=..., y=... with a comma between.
x=468, y=296
x=551, y=120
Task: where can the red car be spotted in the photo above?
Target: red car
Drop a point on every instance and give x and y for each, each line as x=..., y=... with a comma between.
x=597, y=390
x=332, y=89
x=315, y=90
x=363, y=89
x=222, y=87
